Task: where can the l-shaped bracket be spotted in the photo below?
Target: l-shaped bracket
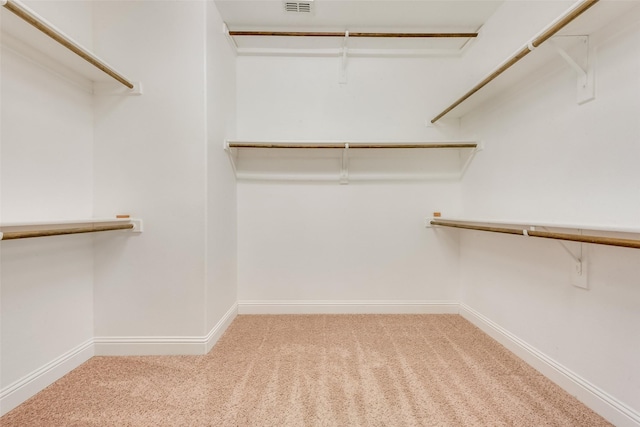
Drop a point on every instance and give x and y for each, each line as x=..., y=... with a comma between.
x=579, y=272
x=583, y=65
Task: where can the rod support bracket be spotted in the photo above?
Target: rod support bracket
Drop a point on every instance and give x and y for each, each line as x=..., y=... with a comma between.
x=230, y=39
x=580, y=60
x=579, y=275
x=138, y=226
x=344, y=169
x=113, y=89
x=579, y=271
x=343, y=60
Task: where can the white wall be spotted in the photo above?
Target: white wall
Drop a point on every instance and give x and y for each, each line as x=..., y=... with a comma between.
x=69, y=154
x=221, y=286
x=383, y=99
x=551, y=160
x=46, y=285
x=327, y=243
x=150, y=162
x=159, y=157
x=324, y=242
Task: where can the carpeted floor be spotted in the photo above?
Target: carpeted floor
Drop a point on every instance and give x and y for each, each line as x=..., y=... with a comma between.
x=316, y=370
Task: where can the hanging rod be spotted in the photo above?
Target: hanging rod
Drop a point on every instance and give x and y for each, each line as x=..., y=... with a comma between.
x=36, y=21
x=524, y=51
x=344, y=34
x=610, y=241
x=350, y=145
x=13, y=235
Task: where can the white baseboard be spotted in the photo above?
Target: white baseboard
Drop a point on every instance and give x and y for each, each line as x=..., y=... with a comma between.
x=348, y=307
x=595, y=398
x=149, y=346
x=219, y=329
x=19, y=391
x=164, y=346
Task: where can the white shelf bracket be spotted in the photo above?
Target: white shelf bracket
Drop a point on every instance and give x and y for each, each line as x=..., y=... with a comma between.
x=116, y=89
x=233, y=154
x=583, y=66
x=470, y=157
x=231, y=40
x=579, y=271
x=343, y=60
x=138, y=226
x=344, y=170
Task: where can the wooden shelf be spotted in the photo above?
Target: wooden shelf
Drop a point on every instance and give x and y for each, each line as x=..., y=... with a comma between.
x=63, y=222
x=579, y=234
x=349, y=161
x=519, y=67
x=523, y=224
x=34, y=37
x=27, y=229
x=357, y=43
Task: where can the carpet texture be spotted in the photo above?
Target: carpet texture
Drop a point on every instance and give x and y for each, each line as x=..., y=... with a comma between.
x=315, y=370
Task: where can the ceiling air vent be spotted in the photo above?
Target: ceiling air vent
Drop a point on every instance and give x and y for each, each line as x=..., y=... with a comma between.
x=298, y=6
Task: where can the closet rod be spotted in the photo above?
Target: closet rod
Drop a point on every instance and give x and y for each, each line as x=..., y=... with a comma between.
x=31, y=18
x=537, y=41
x=453, y=145
x=13, y=235
x=276, y=145
x=344, y=34
x=350, y=145
x=610, y=241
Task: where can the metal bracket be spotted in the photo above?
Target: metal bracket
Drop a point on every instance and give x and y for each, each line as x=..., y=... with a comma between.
x=343, y=62
x=344, y=171
x=579, y=272
x=583, y=66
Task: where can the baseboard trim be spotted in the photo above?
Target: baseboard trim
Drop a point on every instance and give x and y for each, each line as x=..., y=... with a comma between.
x=164, y=345
x=347, y=307
x=595, y=398
x=219, y=329
x=19, y=391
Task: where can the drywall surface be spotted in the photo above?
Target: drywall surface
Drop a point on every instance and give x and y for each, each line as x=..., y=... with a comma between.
x=150, y=162
x=327, y=242
x=548, y=159
x=384, y=99
x=323, y=242
x=46, y=285
x=221, y=257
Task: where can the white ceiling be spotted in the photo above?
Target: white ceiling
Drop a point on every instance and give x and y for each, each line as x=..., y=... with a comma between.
x=369, y=15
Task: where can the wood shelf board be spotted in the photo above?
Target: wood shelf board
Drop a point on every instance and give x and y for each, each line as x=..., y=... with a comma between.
x=315, y=161
x=523, y=224
x=62, y=222
x=25, y=39
x=540, y=61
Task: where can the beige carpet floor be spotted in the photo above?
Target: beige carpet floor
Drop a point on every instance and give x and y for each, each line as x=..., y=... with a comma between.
x=316, y=370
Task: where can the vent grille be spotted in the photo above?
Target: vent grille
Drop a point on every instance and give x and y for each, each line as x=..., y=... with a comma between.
x=298, y=6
